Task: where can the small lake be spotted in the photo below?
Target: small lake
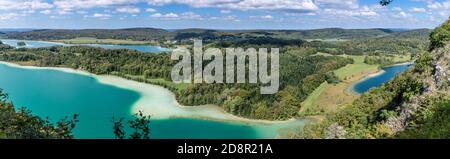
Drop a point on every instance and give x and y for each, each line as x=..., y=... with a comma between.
x=39, y=44
x=376, y=81
x=97, y=103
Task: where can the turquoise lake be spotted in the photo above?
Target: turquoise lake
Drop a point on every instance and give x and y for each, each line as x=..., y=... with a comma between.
x=378, y=80
x=55, y=94
x=39, y=44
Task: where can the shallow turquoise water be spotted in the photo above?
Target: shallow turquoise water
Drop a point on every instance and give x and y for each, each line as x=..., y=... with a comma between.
x=390, y=72
x=39, y=44
x=55, y=94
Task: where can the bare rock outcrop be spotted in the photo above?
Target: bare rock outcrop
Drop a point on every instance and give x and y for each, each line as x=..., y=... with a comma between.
x=437, y=84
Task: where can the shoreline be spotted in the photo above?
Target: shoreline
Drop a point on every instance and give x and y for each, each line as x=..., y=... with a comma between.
x=64, y=44
x=350, y=90
x=149, y=107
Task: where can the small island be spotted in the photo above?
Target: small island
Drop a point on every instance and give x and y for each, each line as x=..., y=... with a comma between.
x=21, y=44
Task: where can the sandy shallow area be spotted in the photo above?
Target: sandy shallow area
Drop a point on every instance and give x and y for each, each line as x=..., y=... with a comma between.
x=158, y=101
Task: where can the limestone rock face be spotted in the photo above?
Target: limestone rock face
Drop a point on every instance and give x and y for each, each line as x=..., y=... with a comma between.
x=441, y=61
x=437, y=84
x=335, y=131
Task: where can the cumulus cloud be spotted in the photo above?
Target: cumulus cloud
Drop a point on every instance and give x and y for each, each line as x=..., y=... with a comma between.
x=225, y=11
x=24, y=5
x=281, y=5
x=46, y=11
x=364, y=11
x=168, y=15
x=88, y=4
x=191, y=15
x=174, y=16
x=417, y=10
x=397, y=9
x=129, y=10
x=150, y=10
x=267, y=17
x=347, y=4
x=99, y=16
x=9, y=16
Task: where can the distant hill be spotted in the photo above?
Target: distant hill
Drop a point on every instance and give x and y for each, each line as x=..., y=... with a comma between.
x=208, y=34
x=338, y=33
x=55, y=34
x=417, y=33
x=8, y=30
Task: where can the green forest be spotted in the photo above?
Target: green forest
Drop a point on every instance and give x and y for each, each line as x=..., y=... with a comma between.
x=300, y=72
x=413, y=105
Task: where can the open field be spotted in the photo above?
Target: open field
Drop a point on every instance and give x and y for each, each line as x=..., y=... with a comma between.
x=86, y=40
x=308, y=106
x=357, y=68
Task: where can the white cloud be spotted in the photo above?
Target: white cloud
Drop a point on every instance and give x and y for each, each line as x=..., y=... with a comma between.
x=280, y=5
x=156, y=15
x=86, y=4
x=191, y=15
x=28, y=11
x=225, y=11
x=397, y=9
x=267, y=17
x=402, y=15
x=46, y=11
x=264, y=17
x=129, y=10
x=174, y=16
x=168, y=15
x=364, y=11
x=63, y=12
x=417, y=10
x=151, y=10
x=439, y=5
x=82, y=12
x=99, y=16
x=24, y=5
x=9, y=16
x=342, y=4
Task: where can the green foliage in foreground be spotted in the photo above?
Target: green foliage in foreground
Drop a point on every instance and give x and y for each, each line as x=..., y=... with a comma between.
x=21, y=124
x=440, y=36
x=140, y=124
x=300, y=75
x=434, y=123
x=363, y=118
x=377, y=113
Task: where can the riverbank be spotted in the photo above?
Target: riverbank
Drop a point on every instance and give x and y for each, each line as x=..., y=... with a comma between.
x=158, y=111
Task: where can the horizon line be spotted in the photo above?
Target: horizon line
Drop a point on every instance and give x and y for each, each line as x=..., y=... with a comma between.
x=274, y=29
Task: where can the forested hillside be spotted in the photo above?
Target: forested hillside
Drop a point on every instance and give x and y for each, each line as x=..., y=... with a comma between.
x=300, y=72
x=300, y=75
x=144, y=34
x=413, y=105
x=138, y=34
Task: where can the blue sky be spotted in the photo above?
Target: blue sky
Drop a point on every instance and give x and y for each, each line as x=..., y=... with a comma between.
x=222, y=14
